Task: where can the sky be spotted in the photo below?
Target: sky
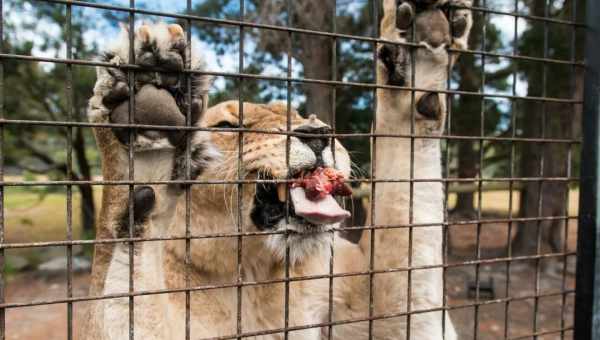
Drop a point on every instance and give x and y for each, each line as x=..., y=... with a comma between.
x=103, y=31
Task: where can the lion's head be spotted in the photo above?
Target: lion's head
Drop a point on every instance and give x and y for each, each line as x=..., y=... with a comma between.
x=264, y=205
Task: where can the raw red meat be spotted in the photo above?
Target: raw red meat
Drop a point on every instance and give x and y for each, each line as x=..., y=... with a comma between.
x=322, y=182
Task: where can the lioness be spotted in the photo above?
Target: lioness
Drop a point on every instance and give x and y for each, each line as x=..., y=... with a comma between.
x=248, y=245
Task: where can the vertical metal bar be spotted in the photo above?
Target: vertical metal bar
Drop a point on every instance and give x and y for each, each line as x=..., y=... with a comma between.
x=574, y=107
x=288, y=128
x=240, y=175
x=446, y=224
x=188, y=188
x=446, y=171
x=480, y=175
x=2, y=259
x=540, y=210
x=411, y=178
x=69, y=95
x=131, y=175
x=563, y=288
x=587, y=295
x=511, y=173
x=373, y=140
x=332, y=144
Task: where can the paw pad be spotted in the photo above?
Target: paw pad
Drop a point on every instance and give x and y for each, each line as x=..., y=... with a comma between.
x=429, y=106
x=160, y=93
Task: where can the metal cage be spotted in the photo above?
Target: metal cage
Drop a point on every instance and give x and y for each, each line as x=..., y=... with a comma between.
x=584, y=325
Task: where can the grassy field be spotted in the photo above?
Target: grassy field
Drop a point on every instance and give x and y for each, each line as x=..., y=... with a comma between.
x=32, y=216
x=497, y=202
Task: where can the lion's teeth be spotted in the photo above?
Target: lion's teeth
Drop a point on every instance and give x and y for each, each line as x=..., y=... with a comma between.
x=282, y=192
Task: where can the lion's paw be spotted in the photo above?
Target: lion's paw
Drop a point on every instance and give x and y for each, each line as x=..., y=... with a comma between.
x=161, y=96
x=434, y=24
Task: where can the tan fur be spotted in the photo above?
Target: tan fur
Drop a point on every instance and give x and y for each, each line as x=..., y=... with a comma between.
x=394, y=202
x=160, y=265
x=214, y=210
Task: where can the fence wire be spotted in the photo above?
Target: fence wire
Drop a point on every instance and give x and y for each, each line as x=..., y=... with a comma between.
x=512, y=181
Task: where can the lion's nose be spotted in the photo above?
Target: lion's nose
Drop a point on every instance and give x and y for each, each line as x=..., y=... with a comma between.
x=316, y=143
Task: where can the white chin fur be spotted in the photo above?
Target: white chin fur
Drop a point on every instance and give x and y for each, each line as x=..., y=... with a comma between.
x=306, y=243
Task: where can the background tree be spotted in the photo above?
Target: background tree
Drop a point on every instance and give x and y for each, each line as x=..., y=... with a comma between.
x=467, y=110
x=312, y=57
x=549, y=120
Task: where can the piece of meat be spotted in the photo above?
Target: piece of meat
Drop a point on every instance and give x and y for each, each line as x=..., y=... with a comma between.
x=322, y=182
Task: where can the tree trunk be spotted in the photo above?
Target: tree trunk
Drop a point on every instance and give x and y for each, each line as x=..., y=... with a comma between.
x=544, y=198
x=312, y=51
x=463, y=123
x=315, y=54
x=88, y=211
x=317, y=65
x=468, y=160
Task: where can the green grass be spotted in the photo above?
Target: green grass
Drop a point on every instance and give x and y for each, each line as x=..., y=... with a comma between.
x=32, y=216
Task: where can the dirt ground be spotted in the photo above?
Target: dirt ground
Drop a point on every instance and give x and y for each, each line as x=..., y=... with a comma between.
x=47, y=322
x=502, y=313
x=554, y=310
x=510, y=309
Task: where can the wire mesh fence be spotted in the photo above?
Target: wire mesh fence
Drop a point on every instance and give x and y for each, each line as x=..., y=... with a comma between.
x=507, y=265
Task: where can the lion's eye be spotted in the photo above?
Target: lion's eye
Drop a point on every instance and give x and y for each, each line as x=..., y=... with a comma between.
x=225, y=125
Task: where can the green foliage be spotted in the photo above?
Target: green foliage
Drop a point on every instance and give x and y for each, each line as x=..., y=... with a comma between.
x=40, y=91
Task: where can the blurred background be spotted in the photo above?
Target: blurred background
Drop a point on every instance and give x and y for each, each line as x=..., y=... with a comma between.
x=481, y=225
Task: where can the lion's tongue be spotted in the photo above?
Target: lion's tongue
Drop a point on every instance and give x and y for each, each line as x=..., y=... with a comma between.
x=323, y=211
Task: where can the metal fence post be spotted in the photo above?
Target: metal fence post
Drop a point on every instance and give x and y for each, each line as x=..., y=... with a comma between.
x=587, y=297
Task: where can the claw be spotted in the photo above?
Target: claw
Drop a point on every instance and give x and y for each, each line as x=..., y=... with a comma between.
x=143, y=34
x=176, y=32
x=116, y=61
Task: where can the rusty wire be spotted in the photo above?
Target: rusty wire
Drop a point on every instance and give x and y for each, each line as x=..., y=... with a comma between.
x=370, y=227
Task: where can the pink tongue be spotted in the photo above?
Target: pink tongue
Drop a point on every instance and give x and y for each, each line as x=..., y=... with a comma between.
x=323, y=211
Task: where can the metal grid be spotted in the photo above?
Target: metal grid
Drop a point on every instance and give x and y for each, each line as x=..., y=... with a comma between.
x=512, y=180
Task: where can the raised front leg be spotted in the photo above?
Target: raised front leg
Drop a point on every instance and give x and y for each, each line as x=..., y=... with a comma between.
x=434, y=26
x=160, y=96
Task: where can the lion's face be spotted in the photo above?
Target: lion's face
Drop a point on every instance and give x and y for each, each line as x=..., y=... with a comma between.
x=264, y=157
